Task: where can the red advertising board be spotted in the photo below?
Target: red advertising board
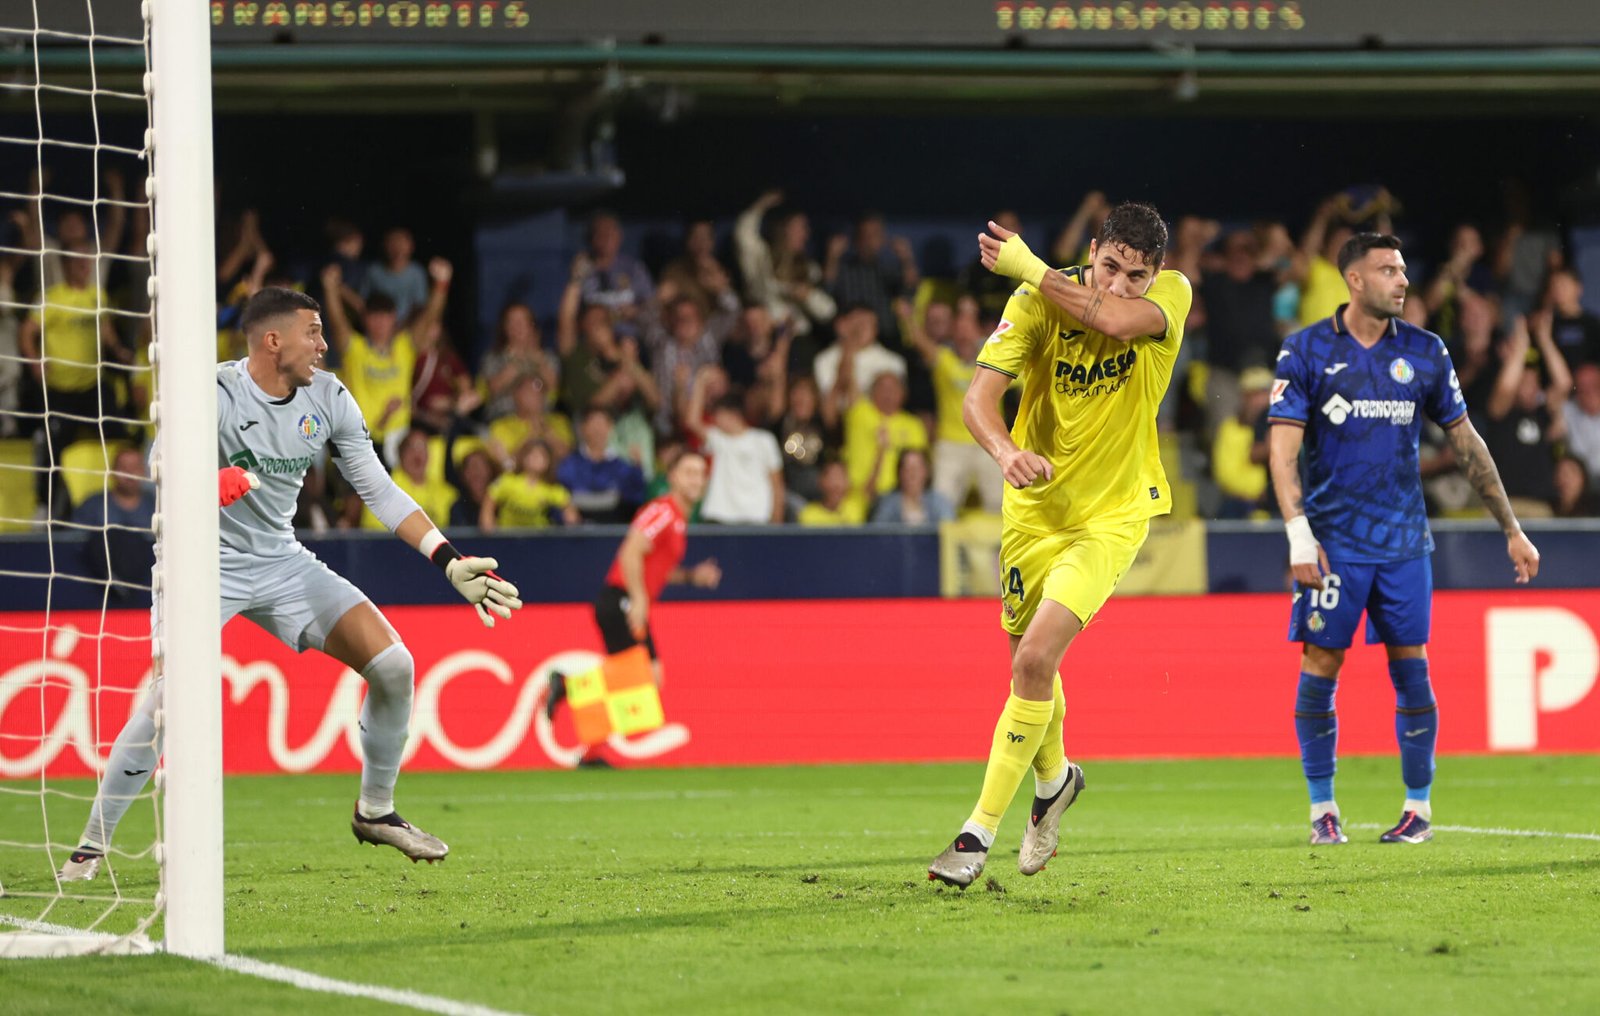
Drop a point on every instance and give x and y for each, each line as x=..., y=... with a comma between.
x=824, y=681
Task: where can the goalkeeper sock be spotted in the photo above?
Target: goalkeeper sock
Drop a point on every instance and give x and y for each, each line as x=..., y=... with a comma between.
x=1050, y=765
x=385, y=717
x=1416, y=724
x=133, y=759
x=1016, y=741
x=1317, y=727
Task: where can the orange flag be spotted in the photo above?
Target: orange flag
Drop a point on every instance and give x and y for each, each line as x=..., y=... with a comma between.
x=617, y=697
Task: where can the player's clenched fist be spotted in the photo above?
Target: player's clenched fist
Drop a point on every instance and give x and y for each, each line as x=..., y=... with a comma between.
x=235, y=482
x=1021, y=467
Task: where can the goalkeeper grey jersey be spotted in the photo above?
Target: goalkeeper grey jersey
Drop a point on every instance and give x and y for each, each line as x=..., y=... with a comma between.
x=278, y=440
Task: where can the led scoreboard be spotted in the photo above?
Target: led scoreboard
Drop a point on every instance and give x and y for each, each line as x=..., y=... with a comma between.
x=387, y=18
x=948, y=24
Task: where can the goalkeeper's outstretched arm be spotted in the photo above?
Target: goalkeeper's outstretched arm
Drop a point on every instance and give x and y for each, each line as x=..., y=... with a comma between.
x=473, y=577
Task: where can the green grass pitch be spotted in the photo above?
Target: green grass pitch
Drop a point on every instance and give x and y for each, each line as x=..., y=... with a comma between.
x=1181, y=887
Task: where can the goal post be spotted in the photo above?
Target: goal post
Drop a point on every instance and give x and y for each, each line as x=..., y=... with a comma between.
x=98, y=88
x=187, y=648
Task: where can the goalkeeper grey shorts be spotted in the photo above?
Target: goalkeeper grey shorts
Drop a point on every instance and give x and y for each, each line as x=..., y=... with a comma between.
x=296, y=598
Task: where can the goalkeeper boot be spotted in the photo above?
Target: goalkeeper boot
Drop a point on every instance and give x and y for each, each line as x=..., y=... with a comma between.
x=1325, y=830
x=83, y=865
x=1412, y=828
x=961, y=863
x=393, y=831
x=1044, y=825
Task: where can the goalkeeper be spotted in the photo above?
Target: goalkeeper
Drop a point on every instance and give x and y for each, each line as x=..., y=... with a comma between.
x=275, y=413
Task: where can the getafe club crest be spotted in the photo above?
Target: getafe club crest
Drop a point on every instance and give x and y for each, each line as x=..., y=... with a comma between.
x=310, y=426
x=1402, y=371
x=1315, y=621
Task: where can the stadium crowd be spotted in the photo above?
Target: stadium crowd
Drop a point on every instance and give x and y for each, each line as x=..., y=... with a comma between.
x=824, y=378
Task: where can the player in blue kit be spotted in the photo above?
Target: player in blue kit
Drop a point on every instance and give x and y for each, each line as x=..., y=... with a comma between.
x=1350, y=393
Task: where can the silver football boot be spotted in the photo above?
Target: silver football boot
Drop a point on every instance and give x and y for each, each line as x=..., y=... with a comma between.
x=958, y=867
x=393, y=831
x=1044, y=831
x=82, y=866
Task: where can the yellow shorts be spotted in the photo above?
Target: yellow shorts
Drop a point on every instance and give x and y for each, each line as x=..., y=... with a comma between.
x=1077, y=569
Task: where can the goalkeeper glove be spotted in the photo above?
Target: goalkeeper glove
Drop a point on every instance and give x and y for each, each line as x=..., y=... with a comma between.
x=235, y=482
x=1017, y=261
x=474, y=579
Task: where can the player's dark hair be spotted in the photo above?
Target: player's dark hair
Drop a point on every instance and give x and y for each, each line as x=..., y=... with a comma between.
x=271, y=303
x=381, y=303
x=1356, y=247
x=1138, y=227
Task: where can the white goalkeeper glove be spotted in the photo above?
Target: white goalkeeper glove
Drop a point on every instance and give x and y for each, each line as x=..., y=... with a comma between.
x=489, y=594
x=474, y=578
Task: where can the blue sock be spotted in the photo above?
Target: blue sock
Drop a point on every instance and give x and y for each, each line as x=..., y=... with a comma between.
x=1318, y=729
x=1416, y=724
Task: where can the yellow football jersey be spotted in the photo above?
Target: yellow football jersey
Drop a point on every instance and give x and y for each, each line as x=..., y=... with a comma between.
x=1089, y=406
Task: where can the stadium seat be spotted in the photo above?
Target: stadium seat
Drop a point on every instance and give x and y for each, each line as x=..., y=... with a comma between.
x=85, y=466
x=17, y=500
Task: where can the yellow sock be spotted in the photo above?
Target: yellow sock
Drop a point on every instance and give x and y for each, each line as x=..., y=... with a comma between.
x=1052, y=755
x=1016, y=740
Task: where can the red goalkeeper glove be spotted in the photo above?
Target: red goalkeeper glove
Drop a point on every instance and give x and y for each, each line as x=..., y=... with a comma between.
x=235, y=482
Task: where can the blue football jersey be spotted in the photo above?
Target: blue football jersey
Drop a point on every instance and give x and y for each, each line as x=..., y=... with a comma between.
x=1362, y=413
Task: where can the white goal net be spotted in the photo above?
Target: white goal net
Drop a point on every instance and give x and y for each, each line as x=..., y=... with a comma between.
x=92, y=496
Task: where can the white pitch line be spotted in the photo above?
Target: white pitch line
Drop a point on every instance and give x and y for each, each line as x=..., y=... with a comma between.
x=307, y=981
x=1543, y=834
x=302, y=979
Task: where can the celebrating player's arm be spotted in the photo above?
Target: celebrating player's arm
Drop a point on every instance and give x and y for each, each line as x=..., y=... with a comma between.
x=980, y=410
x=1104, y=310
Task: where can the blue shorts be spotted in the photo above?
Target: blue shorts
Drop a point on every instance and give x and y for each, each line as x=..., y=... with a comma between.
x=1397, y=597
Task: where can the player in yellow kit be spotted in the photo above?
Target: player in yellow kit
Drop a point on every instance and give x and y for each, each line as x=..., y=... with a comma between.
x=1094, y=347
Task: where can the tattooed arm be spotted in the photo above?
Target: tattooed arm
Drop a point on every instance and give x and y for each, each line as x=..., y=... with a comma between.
x=1473, y=457
x=1122, y=318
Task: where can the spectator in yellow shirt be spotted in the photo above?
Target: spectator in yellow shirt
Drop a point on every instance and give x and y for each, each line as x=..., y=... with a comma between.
x=377, y=364
x=1239, y=451
x=530, y=420
x=948, y=339
x=433, y=494
x=876, y=430
x=840, y=505
x=64, y=343
x=528, y=498
x=1322, y=287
